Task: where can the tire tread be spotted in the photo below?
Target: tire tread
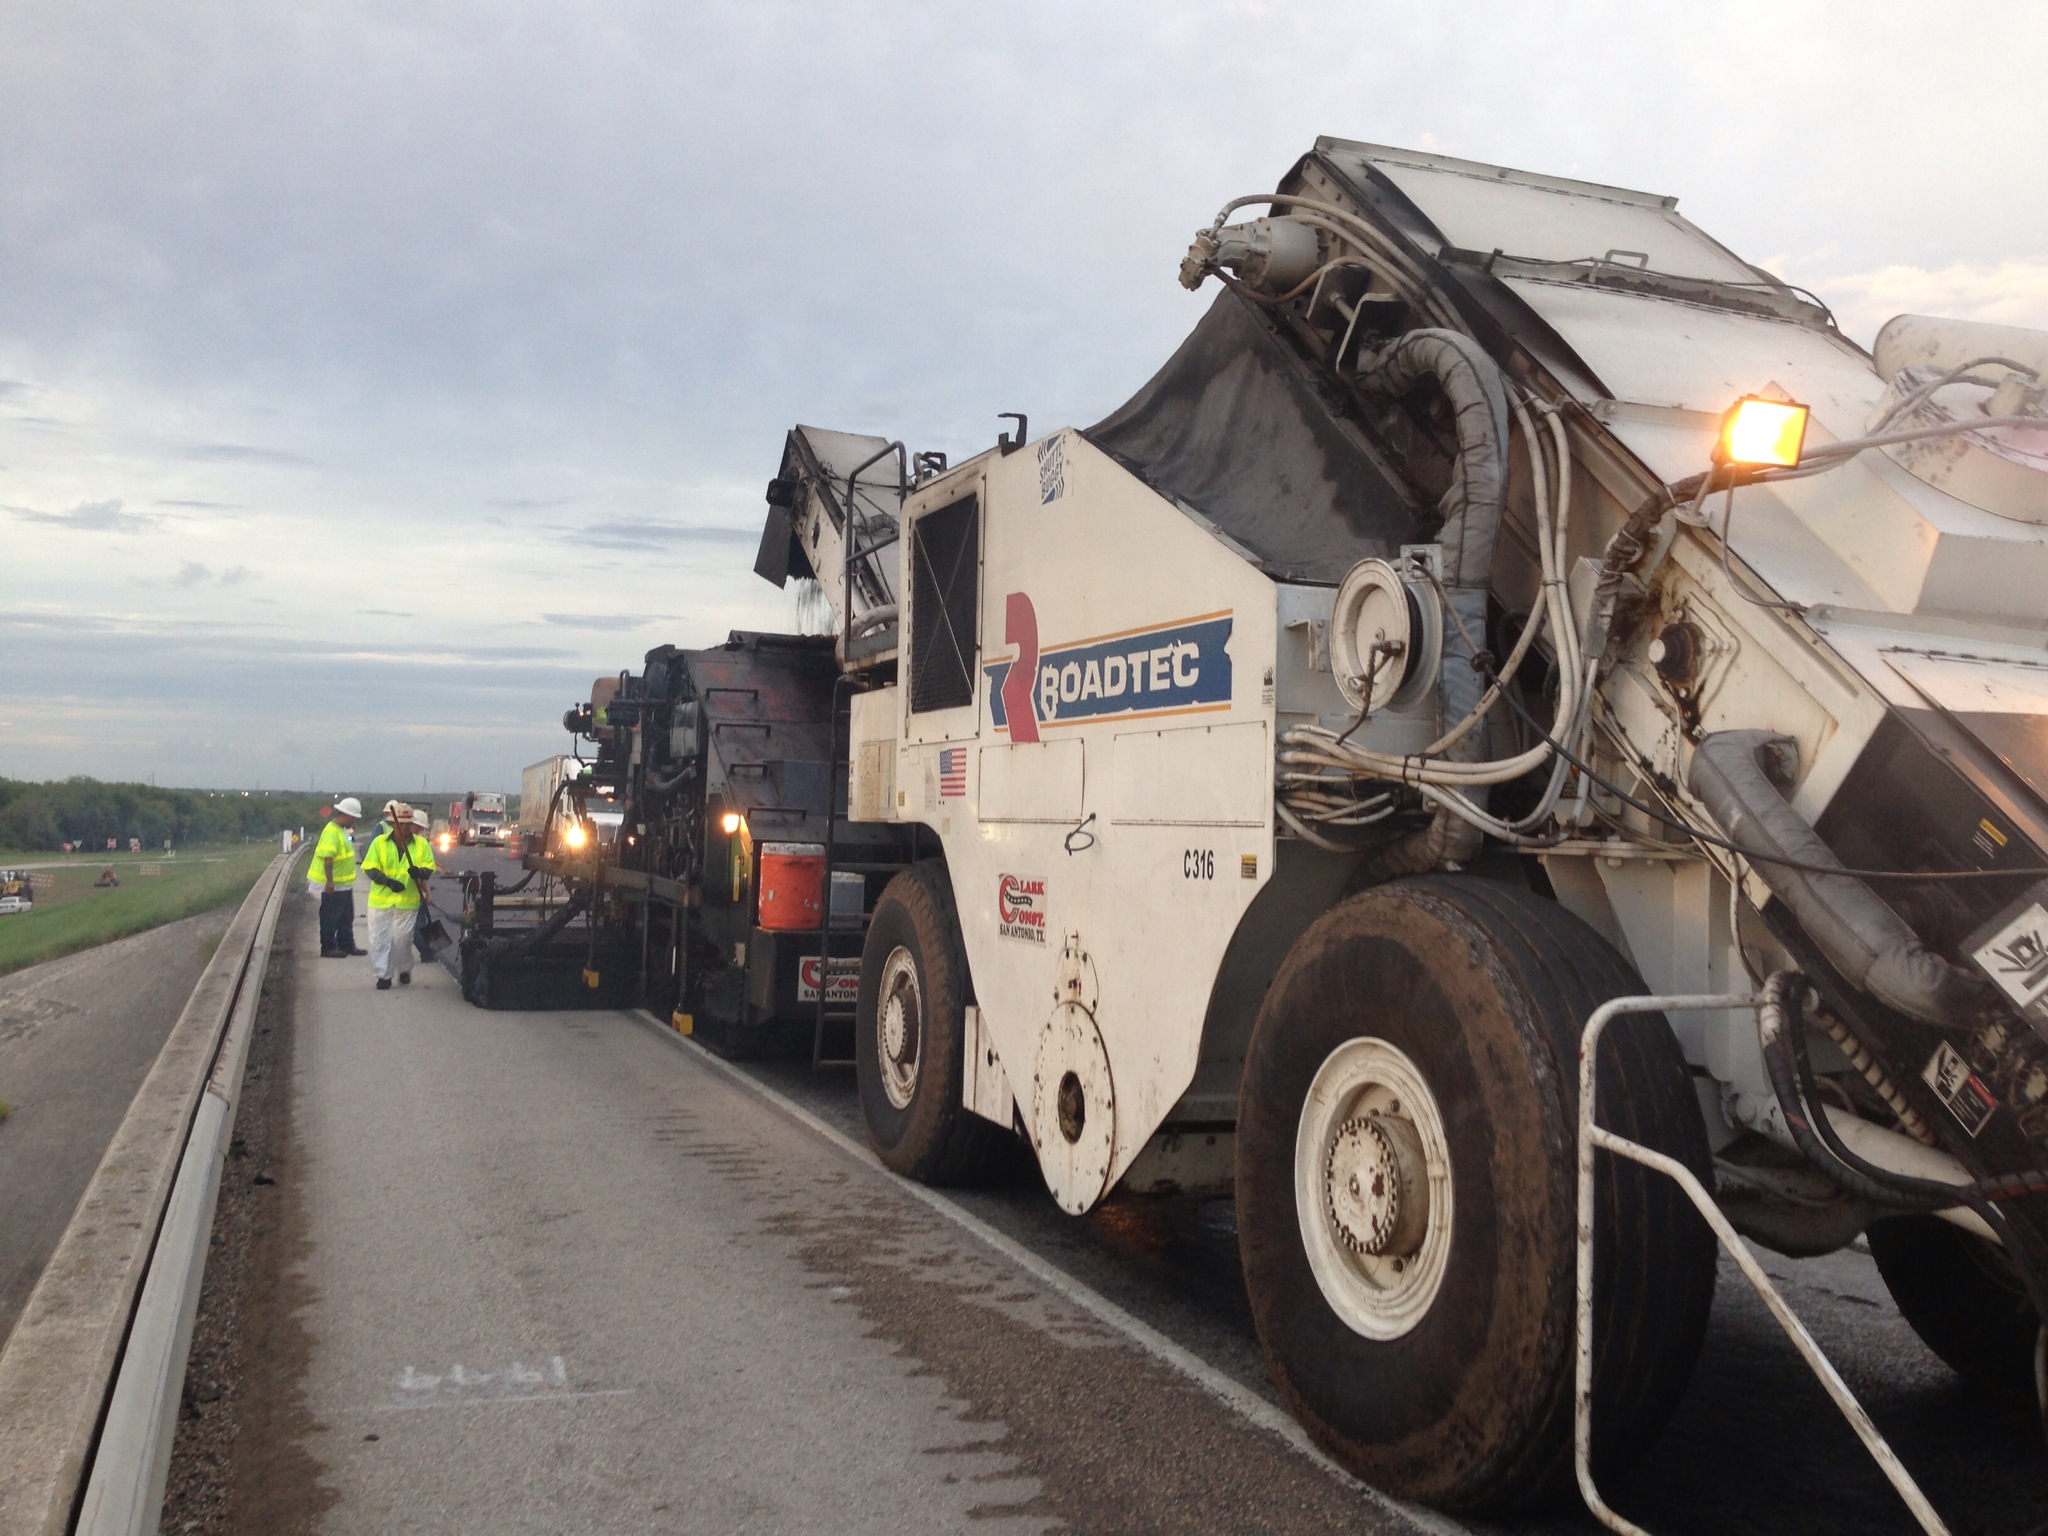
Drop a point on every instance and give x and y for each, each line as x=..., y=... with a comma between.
x=947, y=1144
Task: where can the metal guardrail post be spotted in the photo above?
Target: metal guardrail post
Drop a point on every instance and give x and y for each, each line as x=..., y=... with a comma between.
x=1592, y=1137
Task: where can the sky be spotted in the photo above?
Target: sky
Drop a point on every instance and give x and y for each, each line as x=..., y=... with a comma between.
x=374, y=375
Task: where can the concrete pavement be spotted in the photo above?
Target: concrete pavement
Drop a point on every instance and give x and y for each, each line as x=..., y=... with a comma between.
x=566, y=1276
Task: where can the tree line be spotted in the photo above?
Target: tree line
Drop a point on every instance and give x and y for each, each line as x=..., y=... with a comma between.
x=42, y=817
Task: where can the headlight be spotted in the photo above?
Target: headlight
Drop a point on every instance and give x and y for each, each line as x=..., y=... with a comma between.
x=1762, y=432
x=576, y=836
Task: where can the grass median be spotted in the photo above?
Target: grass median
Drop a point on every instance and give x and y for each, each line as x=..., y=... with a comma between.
x=72, y=913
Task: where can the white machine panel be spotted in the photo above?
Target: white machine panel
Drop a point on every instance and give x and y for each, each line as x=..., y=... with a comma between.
x=1116, y=819
x=1549, y=218
x=1191, y=776
x=1033, y=781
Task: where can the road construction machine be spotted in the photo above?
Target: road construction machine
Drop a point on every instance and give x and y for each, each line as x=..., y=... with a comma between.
x=682, y=864
x=1507, y=600
x=1509, y=624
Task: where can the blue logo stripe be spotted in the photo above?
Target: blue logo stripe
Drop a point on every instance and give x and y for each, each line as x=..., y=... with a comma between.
x=1172, y=667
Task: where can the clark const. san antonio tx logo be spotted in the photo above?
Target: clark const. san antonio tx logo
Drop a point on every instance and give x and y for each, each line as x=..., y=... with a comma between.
x=1179, y=667
x=1020, y=908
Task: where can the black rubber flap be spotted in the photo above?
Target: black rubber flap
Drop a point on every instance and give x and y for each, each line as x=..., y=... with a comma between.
x=1234, y=427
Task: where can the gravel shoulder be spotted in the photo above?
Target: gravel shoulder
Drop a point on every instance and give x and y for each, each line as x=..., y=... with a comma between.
x=236, y=1463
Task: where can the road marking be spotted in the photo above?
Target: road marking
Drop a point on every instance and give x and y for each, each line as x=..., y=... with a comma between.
x=461, y=1387
x=1241, y=1400
x=503, y=1402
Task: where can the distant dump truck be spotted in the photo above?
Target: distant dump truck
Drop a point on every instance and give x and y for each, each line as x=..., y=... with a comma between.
x=1507, y=600
x=17, y=891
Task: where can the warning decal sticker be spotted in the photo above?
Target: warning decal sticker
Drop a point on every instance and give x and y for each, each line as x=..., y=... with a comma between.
x=2016, y=956
x=1959, y=1088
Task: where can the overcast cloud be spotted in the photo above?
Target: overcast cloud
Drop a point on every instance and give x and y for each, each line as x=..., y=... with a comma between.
x=374, y=375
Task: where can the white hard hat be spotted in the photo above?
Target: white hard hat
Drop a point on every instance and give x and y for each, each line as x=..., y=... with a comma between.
x=349, y=805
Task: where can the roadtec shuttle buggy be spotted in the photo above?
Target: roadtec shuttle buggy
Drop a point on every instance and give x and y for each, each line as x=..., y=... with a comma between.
x=1506, y=600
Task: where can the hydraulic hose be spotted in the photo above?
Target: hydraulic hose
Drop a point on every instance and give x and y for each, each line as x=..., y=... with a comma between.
x=1478, y=491
x=1315, y=748
x=676, y=780
x=1472, y=509
x=1779, y=1034
x=513, y=949
x=1871, y=945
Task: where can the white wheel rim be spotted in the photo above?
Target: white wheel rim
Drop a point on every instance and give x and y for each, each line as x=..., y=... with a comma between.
x=1368, y=1152
x=899, y=1026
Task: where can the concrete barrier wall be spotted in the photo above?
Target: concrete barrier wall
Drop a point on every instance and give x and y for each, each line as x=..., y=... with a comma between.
x=59, y=1370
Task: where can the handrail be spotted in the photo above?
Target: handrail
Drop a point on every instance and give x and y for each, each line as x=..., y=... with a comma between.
x=847, y=535
x=1590, y=1137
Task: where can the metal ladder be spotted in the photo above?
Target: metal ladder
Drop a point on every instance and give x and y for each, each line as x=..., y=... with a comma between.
x=837, y=770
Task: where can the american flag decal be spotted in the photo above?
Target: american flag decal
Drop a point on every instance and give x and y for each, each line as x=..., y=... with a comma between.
x=952, y=773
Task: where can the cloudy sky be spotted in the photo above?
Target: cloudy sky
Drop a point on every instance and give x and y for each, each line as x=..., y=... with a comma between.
x=373, y=375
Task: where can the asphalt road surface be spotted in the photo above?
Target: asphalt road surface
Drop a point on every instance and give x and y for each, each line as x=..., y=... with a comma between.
x=77, y=1037
x=563, y=1271
x=569, y=1274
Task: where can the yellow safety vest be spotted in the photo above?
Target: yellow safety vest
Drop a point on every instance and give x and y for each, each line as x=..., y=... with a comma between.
x=385, y=857
x=335, y=844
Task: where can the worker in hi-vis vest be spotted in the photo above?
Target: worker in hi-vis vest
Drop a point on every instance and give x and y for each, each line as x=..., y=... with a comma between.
x=398, y=862
x=332, y=877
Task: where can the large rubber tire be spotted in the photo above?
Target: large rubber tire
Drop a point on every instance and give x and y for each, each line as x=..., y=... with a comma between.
x=930, y=1136
x=1485, y=988
x=1962, y=1298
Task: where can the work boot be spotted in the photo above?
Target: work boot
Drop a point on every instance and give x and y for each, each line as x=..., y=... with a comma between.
x=383, y=983
x=405, y=978
x=330, y=954
x=347, y=952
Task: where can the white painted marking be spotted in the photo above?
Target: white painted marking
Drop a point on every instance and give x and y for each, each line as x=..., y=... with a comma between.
x=516, y=1382
x=504, y=1402
x=1245, y=1403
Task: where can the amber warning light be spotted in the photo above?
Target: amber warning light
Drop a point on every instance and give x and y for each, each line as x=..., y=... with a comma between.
x=1762, y=433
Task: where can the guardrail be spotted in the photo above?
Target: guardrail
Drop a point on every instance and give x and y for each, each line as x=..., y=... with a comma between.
x=91, y=1376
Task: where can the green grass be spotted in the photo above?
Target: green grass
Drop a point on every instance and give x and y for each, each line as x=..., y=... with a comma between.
x=72, y=914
